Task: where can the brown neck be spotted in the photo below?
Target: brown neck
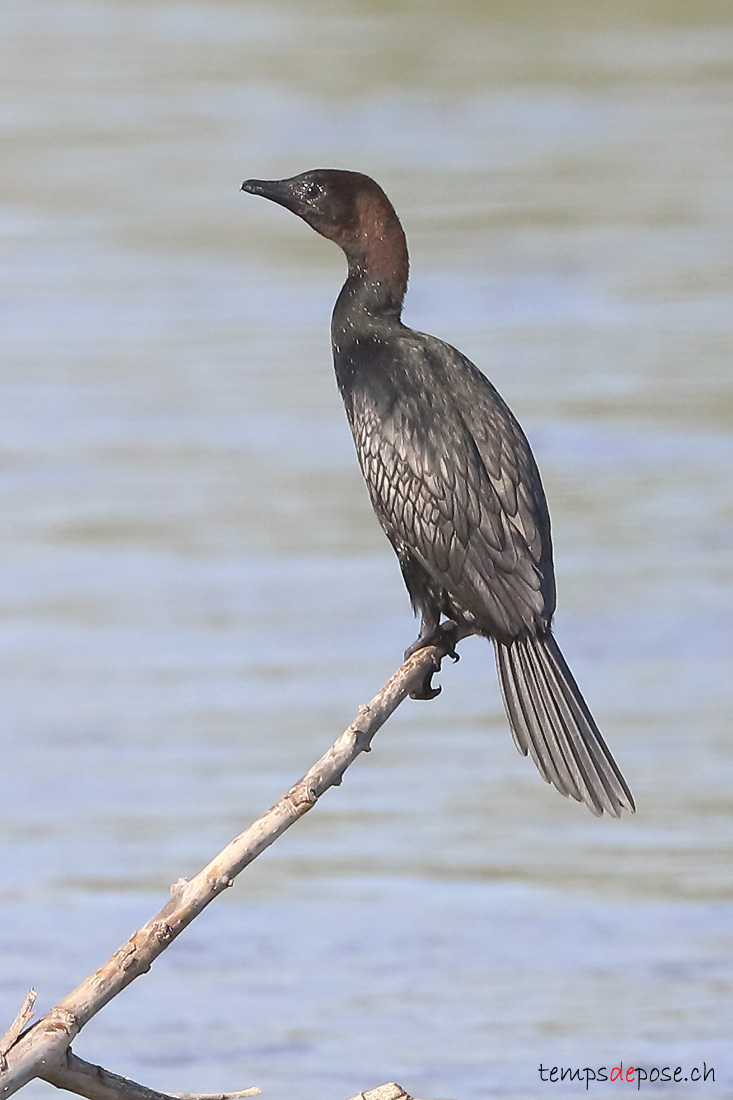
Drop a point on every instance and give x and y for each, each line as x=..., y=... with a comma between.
x=376, y=250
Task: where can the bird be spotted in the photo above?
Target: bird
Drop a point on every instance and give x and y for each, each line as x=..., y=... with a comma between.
x=454, y=485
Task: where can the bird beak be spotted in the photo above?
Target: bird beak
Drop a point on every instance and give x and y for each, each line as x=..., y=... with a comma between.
x=279, y=191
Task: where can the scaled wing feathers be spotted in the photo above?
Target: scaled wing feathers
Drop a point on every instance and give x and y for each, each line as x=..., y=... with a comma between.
x=461, y=504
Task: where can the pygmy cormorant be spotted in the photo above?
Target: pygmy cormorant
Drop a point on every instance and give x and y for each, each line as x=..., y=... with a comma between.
x=454, y=485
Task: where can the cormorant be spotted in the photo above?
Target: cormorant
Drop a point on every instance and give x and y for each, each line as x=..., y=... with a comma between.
x=454, y=485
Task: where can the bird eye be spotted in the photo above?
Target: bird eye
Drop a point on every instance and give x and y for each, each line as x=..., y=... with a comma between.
x=310, y=189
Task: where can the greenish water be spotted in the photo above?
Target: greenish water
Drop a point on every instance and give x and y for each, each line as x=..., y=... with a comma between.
x=194, y=595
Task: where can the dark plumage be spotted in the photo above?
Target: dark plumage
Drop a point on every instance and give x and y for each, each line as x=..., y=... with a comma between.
x=454, y=485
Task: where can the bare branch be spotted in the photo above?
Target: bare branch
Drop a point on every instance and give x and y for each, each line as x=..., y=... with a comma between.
x=254, y=1091
x=390, y=1091
x=42, y=1049
x=96, y=1083
x=11, y=1035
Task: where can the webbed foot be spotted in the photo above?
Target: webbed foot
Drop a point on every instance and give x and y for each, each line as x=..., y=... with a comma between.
x=442, y=634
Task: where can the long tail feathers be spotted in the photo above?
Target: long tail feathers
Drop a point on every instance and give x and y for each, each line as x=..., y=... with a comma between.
x=550, y=720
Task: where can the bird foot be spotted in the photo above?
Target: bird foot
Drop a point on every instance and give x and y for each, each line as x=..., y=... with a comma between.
x=443, y=635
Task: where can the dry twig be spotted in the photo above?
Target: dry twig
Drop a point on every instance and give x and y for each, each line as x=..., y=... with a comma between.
x=15, y=1029
x=95, y=1083
x=390, y=1091
x=43, y=1050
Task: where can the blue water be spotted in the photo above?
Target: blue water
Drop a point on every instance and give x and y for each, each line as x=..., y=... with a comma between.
x=195, y=597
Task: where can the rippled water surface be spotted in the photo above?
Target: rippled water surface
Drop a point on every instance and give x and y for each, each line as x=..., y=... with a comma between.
x=194, y=595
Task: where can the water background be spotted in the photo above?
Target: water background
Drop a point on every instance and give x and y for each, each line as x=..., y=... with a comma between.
x=194, y=594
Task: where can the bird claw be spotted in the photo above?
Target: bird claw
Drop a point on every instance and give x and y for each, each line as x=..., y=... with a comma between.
x=443, y=635
x=449, y=640
x=426, y=690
